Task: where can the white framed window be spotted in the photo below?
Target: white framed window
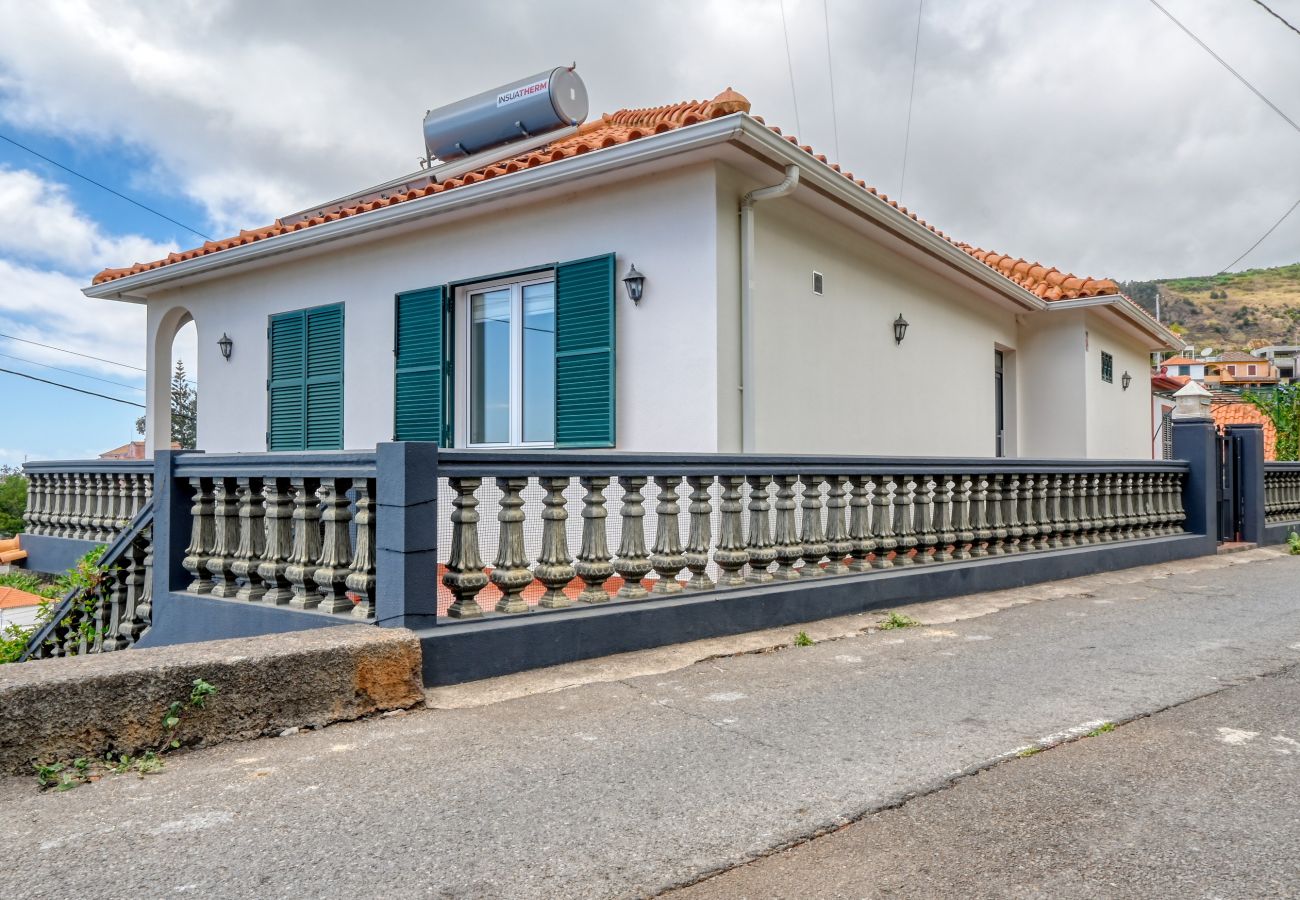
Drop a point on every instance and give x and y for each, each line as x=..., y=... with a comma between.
x=505, y=369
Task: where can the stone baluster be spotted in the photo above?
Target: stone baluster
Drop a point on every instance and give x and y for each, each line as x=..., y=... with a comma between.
x=133, y=620
x=882, y=522
x=1150, y=516
x=593, y=565
x=1011, y=512
x=72, y=501
x=1159, y=512
x=1140, y=517
x=1056, y=541
x=730, y=554
x=944, y=534
x=464, y=576
x=89, y=530
x=1088, y=508
x=279, y=541
x=904, y=527
x=762, y=552
x=101, y=528
x=994, y=504
x=666, y=558
x=700, y=534
x=108, y=505
x=77, y=509
x=555, y=567
x=510, y=572
x=335, y=559
x=838, y=544
x=1176, y=512
x=55, y=522
x=963, y=530
x=1042, y=516
x=201, y=537
x=1069, y=510
x=1025, y=511
x=786, y=535
x=252, y=540
x=861, y=543
x=923, y=520
x=979, y=513
x=306, y=544
x=1128, y=506
x=812, y=539
x=123, y=508
x=225, y=518
x=31, y=512
x=42, y=513
x=632, y=563
x=361, y=576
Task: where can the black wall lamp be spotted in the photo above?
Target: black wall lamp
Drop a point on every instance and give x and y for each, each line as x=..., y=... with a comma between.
x=225, y=345
x=634, y=281
x=1126, y=380
x=900, y=329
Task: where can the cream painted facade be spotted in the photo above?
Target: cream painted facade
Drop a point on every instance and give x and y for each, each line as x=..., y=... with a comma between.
x=828, y=375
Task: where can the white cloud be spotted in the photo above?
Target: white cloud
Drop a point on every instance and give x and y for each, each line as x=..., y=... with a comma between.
x=38, y=222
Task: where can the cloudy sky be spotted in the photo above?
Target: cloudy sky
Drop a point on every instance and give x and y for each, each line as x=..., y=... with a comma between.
x=1094, y=136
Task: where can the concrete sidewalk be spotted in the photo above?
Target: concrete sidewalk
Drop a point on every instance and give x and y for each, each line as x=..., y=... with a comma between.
x=1198, y=801
x=642, y=782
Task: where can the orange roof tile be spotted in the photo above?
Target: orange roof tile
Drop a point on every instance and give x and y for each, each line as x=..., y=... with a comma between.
x=1238, y=413
x=620, y=128
x=12, y=598
x=1181, y=361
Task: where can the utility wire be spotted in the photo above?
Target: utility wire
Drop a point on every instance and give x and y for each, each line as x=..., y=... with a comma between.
x=32, y=362
x=1276, y=16
x=830, y=68
x=789, y=64
x=1261, y=240
x=73, y=352
x=1206, y=47
x=69, y=387
x=103, y=187
x=907, y=134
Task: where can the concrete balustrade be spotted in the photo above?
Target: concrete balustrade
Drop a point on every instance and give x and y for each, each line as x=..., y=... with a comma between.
x=1281, y=492
x=90, y=501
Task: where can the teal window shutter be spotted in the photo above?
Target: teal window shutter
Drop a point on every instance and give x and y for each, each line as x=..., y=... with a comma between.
x=286, y=388
x=305, y=388
x=324, y=382
x=419, y=403
x=584, y=353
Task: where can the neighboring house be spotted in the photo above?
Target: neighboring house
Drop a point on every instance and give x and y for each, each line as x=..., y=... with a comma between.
x=1238, y=369
x=1283, y=357
x=1236, y=412
x=483, y=309
x=1185, y=366
x=133, y=450
x=18, y=607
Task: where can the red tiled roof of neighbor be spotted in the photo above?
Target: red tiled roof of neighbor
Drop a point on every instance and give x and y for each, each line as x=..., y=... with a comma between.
x=1245, y=414
x=1238, y=356
x=1168, y=383
x=1180, y=361
x=12, y=598
x=622, y=127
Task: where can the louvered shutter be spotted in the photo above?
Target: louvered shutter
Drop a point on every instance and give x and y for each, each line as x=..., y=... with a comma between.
x=418, y=413
x=584, y=353
x=286, y=391
x=324, y=382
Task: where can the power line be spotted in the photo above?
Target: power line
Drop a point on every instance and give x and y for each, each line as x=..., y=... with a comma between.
x=32, y=362
x=73, y=352
x=830, y=68
x=1261, y=240
x=907, y=134
x=69, y=387
x=103, y=187
x=789, y=64
x=1276, y=16
x=1206, y=47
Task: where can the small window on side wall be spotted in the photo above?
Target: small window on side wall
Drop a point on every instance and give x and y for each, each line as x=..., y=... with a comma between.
x=1107, y=368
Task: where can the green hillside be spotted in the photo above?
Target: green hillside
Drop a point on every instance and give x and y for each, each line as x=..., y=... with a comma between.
x=1230, y=311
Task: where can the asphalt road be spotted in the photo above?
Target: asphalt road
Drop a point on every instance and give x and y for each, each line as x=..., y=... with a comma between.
x=632, y=787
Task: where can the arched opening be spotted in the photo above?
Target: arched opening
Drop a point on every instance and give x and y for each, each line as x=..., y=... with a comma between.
x=173, y=383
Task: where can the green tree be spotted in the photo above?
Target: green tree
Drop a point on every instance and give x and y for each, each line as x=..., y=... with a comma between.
x=185, y=410
x=1282, y=406
x=13, y=500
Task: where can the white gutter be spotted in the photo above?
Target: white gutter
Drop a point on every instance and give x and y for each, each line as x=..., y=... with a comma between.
x=1129, y=310
x=748, y=401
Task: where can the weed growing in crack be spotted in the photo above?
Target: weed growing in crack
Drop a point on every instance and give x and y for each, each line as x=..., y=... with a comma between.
x=897, y=620
x=802, y=640
x=1030, y=751
x=1103, y=728
x=1293, y=543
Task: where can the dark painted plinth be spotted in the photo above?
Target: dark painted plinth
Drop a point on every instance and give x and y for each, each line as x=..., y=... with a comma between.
x=185, y=618
x=1277, y=533
x=53, y=555
x=466, y=651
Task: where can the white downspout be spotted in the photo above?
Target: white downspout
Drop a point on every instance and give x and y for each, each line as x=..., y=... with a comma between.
x=748, y=401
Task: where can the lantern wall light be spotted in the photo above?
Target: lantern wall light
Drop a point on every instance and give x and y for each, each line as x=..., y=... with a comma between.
x=900, y=329
x=225, y=344
x=634, y=282
x=1126, y=380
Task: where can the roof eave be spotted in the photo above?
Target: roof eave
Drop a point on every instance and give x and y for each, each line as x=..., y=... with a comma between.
x=1130, y=312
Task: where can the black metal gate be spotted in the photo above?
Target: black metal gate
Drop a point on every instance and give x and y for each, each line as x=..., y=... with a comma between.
x=1229, y=498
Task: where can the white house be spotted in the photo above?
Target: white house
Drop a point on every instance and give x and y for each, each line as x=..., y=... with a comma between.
x=484, y=308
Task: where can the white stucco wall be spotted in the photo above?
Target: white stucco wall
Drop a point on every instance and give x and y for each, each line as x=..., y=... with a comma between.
x=664, y=223
x=829, y=377
x=1119, y=421
x=1052, y=398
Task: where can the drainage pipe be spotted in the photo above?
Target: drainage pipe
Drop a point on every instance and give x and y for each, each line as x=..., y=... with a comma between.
x=748, y=401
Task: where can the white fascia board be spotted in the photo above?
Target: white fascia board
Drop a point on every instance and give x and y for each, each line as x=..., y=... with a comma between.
x=737, y=127
x=1128, y=311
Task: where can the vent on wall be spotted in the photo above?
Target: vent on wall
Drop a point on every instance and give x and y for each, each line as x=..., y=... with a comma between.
x=817, y=283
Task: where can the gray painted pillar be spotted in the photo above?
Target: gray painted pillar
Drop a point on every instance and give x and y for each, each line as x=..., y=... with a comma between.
x=1248, y=442
x=171, y=527
x=406, y=534
x=1195, y=441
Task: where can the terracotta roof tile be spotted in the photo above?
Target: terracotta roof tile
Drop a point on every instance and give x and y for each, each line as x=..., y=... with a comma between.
x=621, y=127
x=1238, y=413
x=12, y=598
